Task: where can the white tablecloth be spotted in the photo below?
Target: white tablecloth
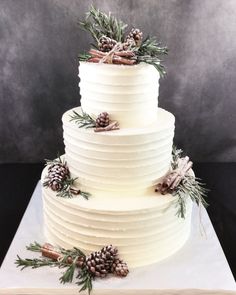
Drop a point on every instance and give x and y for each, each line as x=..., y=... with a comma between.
x=200, y=267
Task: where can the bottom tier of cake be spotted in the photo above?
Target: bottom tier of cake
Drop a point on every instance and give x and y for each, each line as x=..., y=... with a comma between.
x=145, y=229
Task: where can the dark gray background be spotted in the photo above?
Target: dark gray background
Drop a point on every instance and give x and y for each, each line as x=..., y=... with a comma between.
x=39, y=44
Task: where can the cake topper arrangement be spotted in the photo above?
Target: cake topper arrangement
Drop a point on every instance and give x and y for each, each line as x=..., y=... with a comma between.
x=98, y=264
x=58, y=179
x=182, y=184
x=114, y=44
x=101, y=123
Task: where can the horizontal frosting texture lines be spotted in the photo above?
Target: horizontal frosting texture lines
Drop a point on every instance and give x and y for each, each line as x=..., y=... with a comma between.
x=151, y=235
x=125, y=92
x=119, y=160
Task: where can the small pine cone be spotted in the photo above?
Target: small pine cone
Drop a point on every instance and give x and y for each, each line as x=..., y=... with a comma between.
x=58, y=170
x=57, y=173
x=136, y=35
x=106, y=44
x=109, y=253
x=119, y=268
x=96, y=265
x=102, y=120
x=129, y=43
x=55, y=184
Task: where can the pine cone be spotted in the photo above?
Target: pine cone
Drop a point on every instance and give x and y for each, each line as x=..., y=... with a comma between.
x=106, y=44
x=54, y=184
x=134, y=37
x=99, y=263
x=129, y=43
x=102, y=120
x=96, y=265
x=57, y=173
x=119, y=268
x=109, y=253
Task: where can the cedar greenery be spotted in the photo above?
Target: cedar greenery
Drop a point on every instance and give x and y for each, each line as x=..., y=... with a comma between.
x=190, y=186
x=100, y=24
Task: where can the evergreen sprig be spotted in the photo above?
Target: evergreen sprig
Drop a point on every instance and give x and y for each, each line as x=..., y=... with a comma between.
x=149, y=52
x=190, y=186
x=83, y=120
x=34, y=247
x=151, y=47
x=101, y=24
x=35, y=262
x=84, y=56
x=85, y=280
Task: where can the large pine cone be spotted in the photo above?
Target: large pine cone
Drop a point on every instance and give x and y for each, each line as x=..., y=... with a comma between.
x=99, y=263
x=119, y=268
x=102, y=120
x=106, y=44
x=57, y=173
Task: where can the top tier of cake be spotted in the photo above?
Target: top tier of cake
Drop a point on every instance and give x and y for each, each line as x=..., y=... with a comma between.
x=128, y=93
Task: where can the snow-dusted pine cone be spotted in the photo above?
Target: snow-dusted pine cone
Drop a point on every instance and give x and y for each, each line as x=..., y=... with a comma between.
x=135, y=34
x=102, y=120
x=57, y=173
x=119, y=268
x=129, y=43
x=134, y=38
x=106, y=44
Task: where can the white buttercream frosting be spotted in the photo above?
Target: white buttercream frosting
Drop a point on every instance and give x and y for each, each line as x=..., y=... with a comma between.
x=128, y=161
x=145, y=229
x=128, y=93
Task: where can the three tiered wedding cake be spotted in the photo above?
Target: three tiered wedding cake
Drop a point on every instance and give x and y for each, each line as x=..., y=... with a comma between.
x=122, y=195
x=120, y=169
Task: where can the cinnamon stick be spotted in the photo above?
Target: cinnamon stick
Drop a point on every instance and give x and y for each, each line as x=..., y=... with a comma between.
x=97, y=53
x=112, y=126
x=94, y=59
x=123, y=61
x=49, y=251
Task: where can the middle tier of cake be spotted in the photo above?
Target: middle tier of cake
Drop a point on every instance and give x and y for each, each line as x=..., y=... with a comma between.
x=126, y=162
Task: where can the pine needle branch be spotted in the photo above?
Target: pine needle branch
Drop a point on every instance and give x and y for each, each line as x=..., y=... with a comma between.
x=68, y=275
x=101, y=24
x=85, y=280
x=35, y=247
x=84, y=56
x=83, y=120
x=35, y=263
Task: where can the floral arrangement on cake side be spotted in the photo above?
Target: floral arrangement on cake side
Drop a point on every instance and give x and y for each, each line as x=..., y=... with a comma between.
x=113, y=44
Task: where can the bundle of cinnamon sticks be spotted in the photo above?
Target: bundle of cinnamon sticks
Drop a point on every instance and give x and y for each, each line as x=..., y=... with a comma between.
x=174, y=178
x=116, y=57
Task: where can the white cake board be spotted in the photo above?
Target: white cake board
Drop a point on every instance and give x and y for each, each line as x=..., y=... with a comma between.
x=200, y=267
